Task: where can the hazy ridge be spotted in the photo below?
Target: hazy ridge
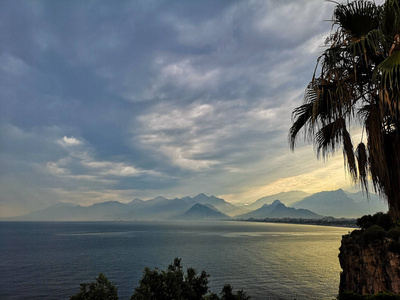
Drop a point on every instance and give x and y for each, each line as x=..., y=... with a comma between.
x=202, y=207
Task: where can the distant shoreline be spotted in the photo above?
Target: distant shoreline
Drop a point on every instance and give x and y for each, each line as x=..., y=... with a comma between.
x=351, y=223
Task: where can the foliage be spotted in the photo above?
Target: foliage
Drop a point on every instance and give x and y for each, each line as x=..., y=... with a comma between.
x=174, y=283
x=377, y=227
x=101, y=289
x=394, y=233
x=356, y=233
x=227, y=294
x=378, y=296
x=380, y=218
x=358, y=80
x=372, y=234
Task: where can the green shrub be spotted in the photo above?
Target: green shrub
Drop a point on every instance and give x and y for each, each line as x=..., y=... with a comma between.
x=378, y=296
x=394, y=233
x=176, y=284
x=383, y=296
x=372, y=234
x=356, y=233
x=365, y=222
x=100, y=289
x=349, y=296
x=384, y=220
x=380, y=219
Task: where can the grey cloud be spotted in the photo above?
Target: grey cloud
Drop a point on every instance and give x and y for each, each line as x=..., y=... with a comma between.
x=164, y=96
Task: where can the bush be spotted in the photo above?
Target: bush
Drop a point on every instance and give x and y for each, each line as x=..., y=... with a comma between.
x=378, y=296
x=227, y=294
x=349, y=296
x=394, y=233
x=356, y=233
x=380, y=219
x=172, y=284
x=372, y=234
x=101, y=289
x=175, y=284
x=365, y=222
x=384, y=220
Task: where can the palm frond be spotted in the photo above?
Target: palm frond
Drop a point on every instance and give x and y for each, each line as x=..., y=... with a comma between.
x=301, y=116
x=389, y=77
x=329, y=137
x=362, y=162
x=390, y=24
x=390, y=71
x=357, y=18
x=371, y=42
x=348, y=154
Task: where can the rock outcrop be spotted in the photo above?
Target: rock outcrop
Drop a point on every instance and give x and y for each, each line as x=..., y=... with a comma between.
x=369, y=268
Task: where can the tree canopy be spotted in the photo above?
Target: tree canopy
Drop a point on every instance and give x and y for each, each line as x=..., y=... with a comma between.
x=156, y=284
x=174, y=283
x=356, y=80
x=101, y=289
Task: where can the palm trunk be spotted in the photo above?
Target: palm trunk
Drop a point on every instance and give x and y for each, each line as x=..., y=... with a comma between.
x=394, y=207
x=392, y=184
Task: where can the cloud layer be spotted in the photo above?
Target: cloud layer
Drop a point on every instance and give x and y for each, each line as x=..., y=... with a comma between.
x=111, y=101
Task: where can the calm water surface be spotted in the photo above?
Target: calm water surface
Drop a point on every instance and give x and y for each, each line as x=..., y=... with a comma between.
x=48, y=260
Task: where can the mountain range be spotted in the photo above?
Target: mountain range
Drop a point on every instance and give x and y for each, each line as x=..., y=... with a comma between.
x=341, y=204
x=295, y=204
x=279, y=210
x=288, y=198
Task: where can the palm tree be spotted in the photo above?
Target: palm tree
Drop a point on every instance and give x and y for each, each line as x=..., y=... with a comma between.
x=358, y=80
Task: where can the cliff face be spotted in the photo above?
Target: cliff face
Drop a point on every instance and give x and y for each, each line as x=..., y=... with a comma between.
x=368, y=268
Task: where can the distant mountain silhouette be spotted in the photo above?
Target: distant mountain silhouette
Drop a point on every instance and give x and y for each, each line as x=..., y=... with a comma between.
x=218, y=203
x=279, y=210
x=287, y=198
x=56, y=212
x=340, y=204
x=361, y=197
x=333, y=203
x=203, y=212
x=136, y=201
x=159, y=208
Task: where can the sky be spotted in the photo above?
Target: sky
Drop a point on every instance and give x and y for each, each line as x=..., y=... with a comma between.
x=114, y=100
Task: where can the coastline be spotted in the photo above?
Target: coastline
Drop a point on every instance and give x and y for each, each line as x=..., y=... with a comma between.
x=328, y=221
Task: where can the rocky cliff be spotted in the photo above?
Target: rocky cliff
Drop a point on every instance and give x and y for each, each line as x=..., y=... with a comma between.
x=369, y=268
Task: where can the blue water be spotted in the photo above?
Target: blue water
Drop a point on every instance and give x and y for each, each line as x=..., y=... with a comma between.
x=48, y=260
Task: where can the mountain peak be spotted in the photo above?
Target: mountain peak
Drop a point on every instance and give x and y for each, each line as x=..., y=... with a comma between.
x=203, y=212
x=279, y=210
x=136, y=201
x=200, y=197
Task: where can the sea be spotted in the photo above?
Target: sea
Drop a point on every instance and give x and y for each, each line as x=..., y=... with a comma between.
x=48, y=260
